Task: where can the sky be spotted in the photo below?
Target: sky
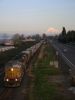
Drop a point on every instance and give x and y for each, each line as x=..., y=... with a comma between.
x=36, y=16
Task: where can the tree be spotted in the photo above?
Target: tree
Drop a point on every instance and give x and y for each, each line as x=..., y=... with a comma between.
x=62, y=36
x=64, y=32
x=22, y=37
x=36, y=37
x=17, y=39
x=67, y=37
x=44, y=36
x=71, y=36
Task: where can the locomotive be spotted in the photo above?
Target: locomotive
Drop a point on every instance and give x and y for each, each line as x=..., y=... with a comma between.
x=15, y=69
x=13, y=73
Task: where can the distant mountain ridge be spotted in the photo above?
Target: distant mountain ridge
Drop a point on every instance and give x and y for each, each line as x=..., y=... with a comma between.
x=5, y=36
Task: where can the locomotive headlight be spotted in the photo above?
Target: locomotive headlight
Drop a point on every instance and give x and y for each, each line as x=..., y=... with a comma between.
x=12, y=69
x=7, y=79
x=16, y=79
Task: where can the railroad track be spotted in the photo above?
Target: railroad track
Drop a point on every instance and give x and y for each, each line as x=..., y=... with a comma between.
x=1, y=78
x=5, y=93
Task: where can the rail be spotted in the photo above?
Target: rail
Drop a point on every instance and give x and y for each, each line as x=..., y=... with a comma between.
x=69, y=63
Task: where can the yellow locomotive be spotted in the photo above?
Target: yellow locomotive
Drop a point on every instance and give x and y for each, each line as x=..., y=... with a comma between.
x=13, y=73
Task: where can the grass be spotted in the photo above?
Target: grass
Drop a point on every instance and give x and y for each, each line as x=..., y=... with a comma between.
x=42, y=89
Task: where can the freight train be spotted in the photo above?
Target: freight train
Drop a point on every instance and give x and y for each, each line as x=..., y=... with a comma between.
x=15, y=69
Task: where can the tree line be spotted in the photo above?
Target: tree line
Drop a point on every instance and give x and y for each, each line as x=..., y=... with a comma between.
x=66, y=37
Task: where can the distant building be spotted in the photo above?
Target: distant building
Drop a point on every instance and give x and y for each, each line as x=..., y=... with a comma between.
x=7, y=42
x=28, y=40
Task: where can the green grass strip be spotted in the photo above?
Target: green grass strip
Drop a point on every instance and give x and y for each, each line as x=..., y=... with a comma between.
x=43, y=90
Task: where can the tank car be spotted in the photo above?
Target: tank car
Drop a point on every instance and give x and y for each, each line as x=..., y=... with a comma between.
x=27, y=53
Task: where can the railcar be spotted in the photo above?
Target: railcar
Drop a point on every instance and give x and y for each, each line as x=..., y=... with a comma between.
x=27, y=54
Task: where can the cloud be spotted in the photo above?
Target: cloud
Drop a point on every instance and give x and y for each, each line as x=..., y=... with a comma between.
x=52, y=30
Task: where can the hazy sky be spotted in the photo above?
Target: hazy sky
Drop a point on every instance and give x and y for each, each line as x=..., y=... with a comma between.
x=28, y=16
